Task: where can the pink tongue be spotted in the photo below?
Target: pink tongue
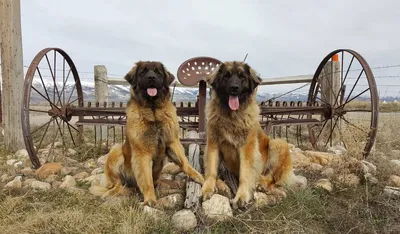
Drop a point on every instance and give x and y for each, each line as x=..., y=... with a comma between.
x=152, y=92
x=234, y=102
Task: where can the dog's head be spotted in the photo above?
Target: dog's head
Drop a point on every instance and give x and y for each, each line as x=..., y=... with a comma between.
x=234, y=82
x=150, y=81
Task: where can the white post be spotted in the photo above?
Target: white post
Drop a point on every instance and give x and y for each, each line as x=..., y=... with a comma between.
x=12, y=73
x=101, y=93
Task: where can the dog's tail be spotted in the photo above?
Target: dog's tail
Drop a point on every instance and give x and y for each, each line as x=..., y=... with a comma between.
x=98, y=190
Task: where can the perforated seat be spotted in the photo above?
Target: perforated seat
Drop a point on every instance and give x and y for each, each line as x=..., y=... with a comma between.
x=195, y=69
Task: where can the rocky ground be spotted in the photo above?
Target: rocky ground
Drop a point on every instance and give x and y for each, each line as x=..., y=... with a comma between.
x=324, y=173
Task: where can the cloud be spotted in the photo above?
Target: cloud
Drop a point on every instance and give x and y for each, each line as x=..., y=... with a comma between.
x=282, y=38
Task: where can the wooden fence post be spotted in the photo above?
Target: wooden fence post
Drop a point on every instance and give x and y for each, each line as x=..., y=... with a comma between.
x=12, y=73
x=101, y=93
x=330, y=86
x=193, y=189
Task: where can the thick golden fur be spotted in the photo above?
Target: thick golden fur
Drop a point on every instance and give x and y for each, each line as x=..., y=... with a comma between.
x=152, y=132
x=238, y=138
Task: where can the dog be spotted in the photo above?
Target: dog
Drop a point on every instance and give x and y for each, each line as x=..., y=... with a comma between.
x=152, y=133
x=234, y=133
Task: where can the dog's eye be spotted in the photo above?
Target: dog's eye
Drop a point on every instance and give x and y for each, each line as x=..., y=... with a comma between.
x=158, y=72
x=227, y=75
x=143, y=72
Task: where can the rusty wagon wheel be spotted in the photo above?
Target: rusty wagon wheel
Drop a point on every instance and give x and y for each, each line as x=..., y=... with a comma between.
x=51, y=86
x=345, y=84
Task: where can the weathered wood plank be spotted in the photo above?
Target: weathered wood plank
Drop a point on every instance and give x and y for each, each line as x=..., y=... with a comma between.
x=193, y=189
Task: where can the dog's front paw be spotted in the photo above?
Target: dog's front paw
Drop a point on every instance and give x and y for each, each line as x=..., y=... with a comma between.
x=208, y=189
x=150, y=201
x=198, y=178
x=242, y=198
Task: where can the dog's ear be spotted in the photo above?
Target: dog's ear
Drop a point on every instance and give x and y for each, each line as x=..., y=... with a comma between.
x=169, y=78
x=131, y=77
x=212, y=79
x=255, y=79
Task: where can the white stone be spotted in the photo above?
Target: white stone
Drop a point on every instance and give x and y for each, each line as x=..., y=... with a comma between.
x=96, y=171
x=299, y=182
x=71, y=152
x=11, y=162
x=184, y=220
x=217, y=207
x=21, y=154
x=369, y=167
x=15, y=183
x=394, y=181
x=93, y=179
x=392, y=191
x=371, y=179
x=102, y=159
x=19, y=164
x=40, y=185
x=156, y=214
x=395, y=162
x=68, y=182
x=325, y=184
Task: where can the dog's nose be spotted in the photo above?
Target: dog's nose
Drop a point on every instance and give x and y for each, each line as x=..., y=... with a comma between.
x=234, y=88
x=151, y=77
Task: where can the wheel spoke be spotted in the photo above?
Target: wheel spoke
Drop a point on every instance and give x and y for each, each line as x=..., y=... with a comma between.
x=70, y=95
x=41, y=111
x=356, y=96
x=344, y=80
x=330, y=135
x=51, y=103
x=353, y=125
x=41, y=140
x=37, y=129
x=54, y=78
x=358, y=78
x=323, y=126
x=44, y=86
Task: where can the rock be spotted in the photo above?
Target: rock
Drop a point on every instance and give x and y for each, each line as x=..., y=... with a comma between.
x=298, y=158
x=349, y=180
x=102, y=160
x=94, y=179
x=180, y=176
x=28, y=182
x=166, y=177
x=320, y=158
x=291, y=146
x=68, y=182
x=15, y=183
x=40, y=185
x=96, y=171
x=11, y=162
x=156, y=214
x=21, y=154
x=325, y=184
x=27, y=171
x=81, y=176
x=391, y=191
x=395, y=163
x=184, y=220
x=90, y=163
x=299, y=182
x=47, y=169
x=217, y=207
x=4, y=178
x=56, y=184
x=328, y=172
x=394, y=181
x=51, y=178
x=171, y=201
x=19, y=164
x=395, y=153
x=66, y=171
x=171, y=168
x=314, y=167
x=371, y=179
x=262, y=199
x=71, y=152
x=369, y=167
x=337, y=150
x=71, y=160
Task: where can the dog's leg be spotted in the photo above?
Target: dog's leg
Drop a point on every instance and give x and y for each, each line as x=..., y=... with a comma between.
x=211, y=169
x=250, y=168
x=142, y=164
x=177, y=147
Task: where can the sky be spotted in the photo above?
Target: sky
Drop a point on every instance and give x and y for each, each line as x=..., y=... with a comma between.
x=282, y=38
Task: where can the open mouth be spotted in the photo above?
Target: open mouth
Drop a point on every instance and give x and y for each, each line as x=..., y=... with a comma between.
x=151, y=91
x=233, y=102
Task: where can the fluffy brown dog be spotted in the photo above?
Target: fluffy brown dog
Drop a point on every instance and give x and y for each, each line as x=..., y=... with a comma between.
x=152, y=132
x=234, y=132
